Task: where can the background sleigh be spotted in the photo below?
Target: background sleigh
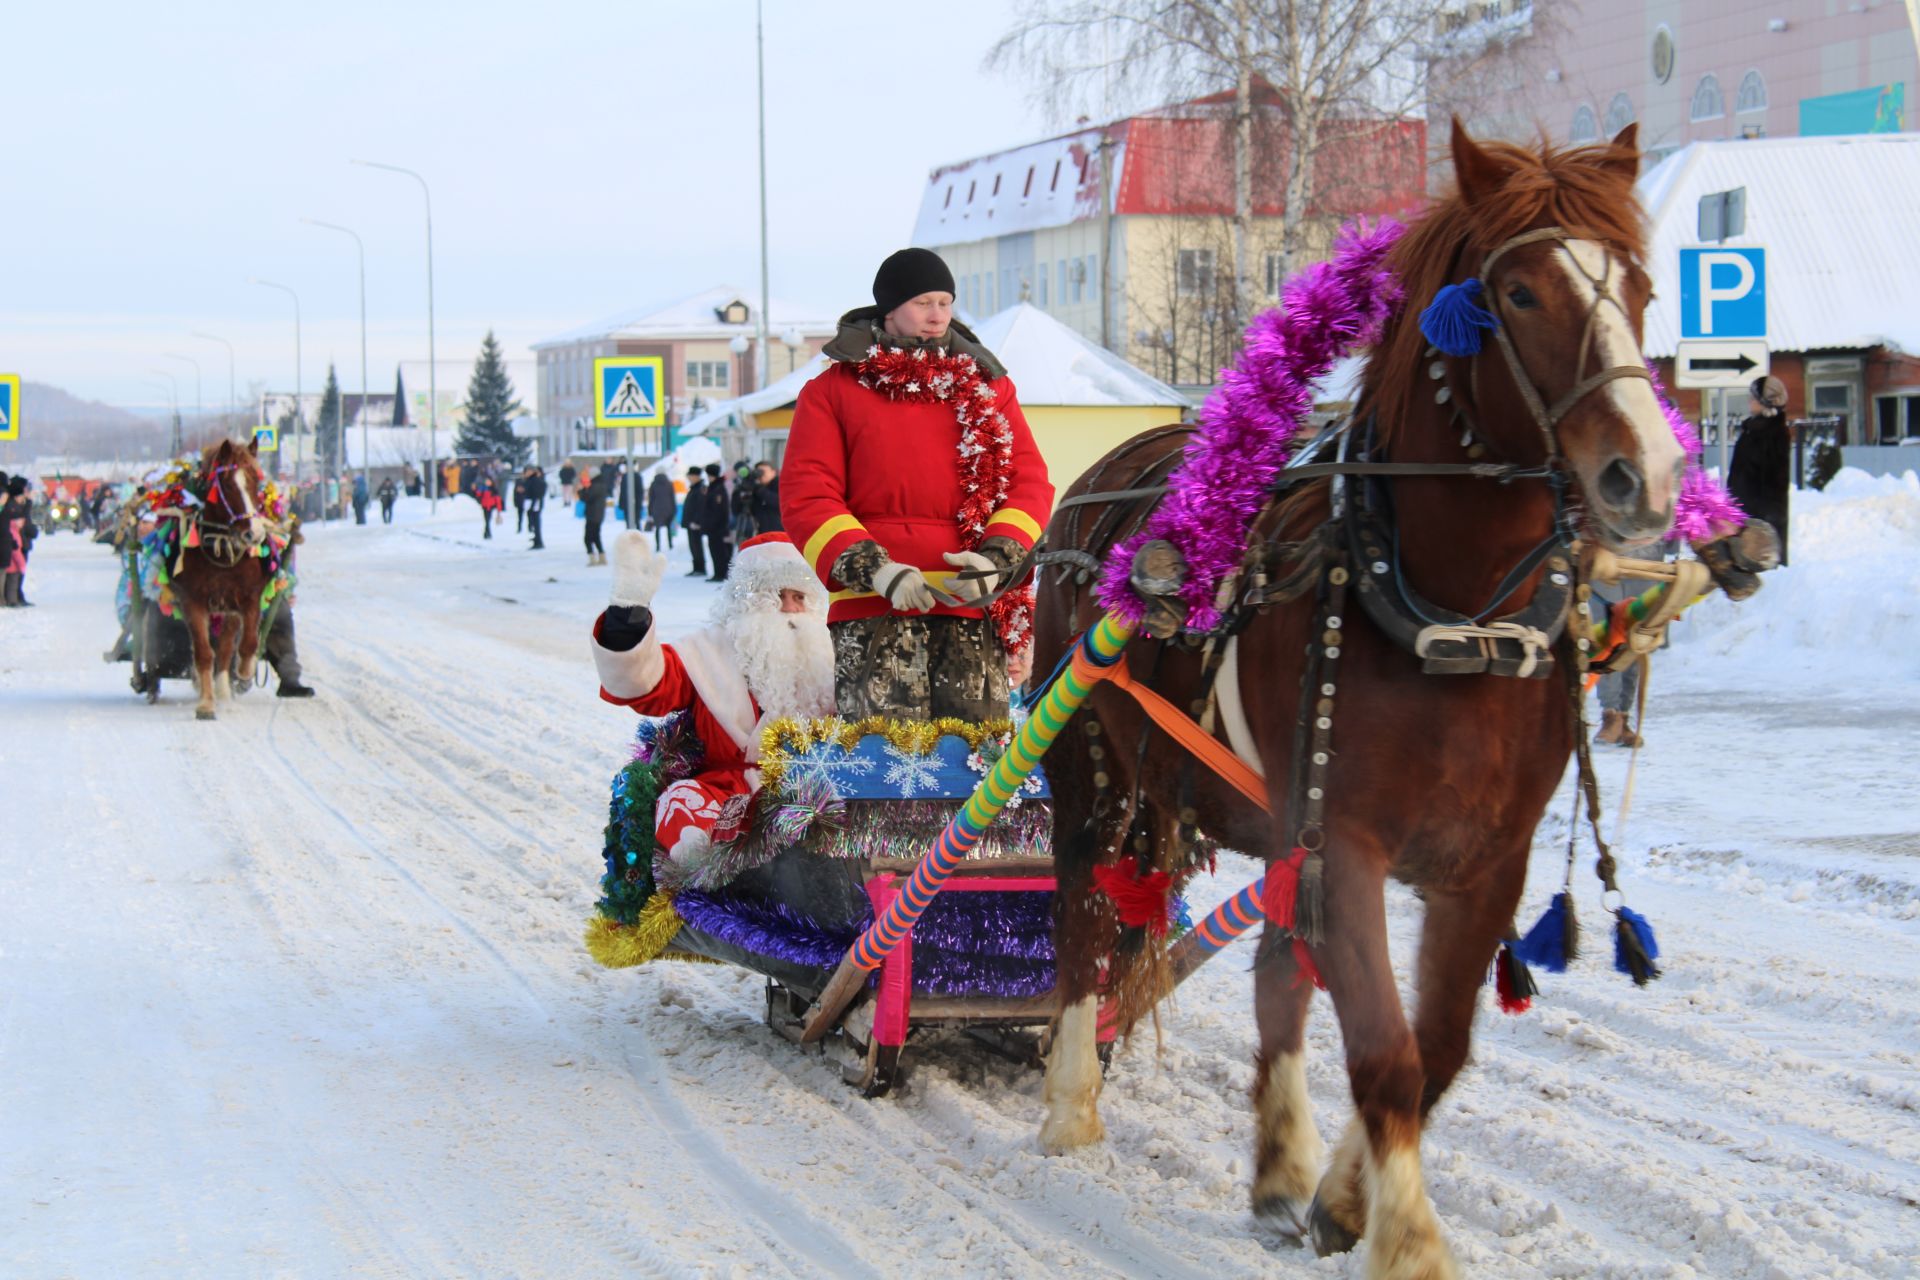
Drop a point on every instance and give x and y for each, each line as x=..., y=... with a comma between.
x=845, y=811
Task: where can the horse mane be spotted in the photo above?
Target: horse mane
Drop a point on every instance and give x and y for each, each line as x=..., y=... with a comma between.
x=1583, y=189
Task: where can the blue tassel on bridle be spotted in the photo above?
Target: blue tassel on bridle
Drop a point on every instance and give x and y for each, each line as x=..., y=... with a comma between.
x=1454, y=319
x=1554, y=940
x=1634, y=948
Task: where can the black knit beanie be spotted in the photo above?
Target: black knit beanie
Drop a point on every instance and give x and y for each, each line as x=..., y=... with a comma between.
x=908, y=274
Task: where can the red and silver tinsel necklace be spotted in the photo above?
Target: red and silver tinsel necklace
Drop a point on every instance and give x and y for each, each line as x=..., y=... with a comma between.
x=922, y=375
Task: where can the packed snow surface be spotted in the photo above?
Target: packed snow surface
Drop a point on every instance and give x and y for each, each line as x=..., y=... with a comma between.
x=301, y=992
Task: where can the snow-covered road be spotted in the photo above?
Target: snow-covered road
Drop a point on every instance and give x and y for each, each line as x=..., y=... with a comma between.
x=301, y=992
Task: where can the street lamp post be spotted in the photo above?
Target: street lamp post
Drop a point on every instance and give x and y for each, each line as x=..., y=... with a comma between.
x=233, y=401
x=433, y=390
x=299, y=412
x=175, y=445
x=362, y=250
x=199, y=405
x=760, y=62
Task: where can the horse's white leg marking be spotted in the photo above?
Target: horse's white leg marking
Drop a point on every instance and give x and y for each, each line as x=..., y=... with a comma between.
x=1290, y=1149
x=1343, y=1191
x=1403, y=1235
x=1632, y=398
x=1072, y=1089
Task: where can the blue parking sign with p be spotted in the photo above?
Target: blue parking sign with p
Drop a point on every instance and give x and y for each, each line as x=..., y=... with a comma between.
x=1723, y=293
x=9, y=406
x=629, y=391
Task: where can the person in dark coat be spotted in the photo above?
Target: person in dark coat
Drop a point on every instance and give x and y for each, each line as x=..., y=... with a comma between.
x=567, y=477
x=388, y=493
x=520, y=503
x=535, y=488
x=693, y=514
x=1761, y=472
x=717, y=522
x=662, y=507
x=360, y=498
x=594, y=495
x=763, y=507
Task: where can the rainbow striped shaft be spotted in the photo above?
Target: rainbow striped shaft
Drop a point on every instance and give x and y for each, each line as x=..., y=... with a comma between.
x=1099, y=649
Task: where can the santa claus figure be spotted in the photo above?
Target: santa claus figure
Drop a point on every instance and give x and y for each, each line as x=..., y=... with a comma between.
x=765, y=655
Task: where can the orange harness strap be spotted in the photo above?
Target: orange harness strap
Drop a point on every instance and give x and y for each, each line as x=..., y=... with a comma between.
x=1209, y=750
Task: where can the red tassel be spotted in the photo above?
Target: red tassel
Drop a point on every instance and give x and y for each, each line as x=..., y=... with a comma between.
x=1512, y=983
x=1140, y=901
x=1303, y=961
x=1282, y=892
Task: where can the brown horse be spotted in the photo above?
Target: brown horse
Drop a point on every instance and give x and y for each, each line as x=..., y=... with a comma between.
x=224, y=574
x=1435, y=780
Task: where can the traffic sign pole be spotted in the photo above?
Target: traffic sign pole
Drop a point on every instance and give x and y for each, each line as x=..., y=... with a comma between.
x=629, y=392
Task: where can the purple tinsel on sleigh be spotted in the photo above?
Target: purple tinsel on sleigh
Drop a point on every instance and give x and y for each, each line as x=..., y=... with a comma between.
x=1704, y=509
x=983, y=944
x=1248, y=427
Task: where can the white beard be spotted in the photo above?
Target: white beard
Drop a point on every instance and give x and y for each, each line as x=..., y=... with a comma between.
x=787, y=659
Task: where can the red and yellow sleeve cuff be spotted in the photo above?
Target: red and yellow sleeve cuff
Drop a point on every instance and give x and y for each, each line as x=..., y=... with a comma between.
x=1011, y=522
x=829, y=540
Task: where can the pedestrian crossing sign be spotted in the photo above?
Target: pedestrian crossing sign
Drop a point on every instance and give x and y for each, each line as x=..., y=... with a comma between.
x=9, y=406
x=266, y=439
x=629, y=391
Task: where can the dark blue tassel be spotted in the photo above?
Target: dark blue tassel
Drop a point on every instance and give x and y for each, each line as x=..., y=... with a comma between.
x=1554, y=940
x=1454, y=320
x=1634, y=950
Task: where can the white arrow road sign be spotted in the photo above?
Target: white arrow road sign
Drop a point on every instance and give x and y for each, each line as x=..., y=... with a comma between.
x=1698, y=365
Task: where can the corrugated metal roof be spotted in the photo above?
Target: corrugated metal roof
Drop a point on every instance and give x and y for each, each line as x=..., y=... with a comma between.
x=1836, y=218
x=1043, y=184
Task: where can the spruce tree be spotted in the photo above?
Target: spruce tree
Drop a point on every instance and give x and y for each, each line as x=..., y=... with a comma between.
x=326, y=431
x=490, y=410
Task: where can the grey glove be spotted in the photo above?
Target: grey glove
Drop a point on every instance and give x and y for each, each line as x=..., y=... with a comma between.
x=905, y=587
x=966, y=590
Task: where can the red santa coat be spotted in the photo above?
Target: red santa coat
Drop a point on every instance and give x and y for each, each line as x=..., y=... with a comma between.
x=695, y=674
x=860, y=466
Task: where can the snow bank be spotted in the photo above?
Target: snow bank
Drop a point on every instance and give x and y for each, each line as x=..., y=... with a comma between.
x=1848, y=606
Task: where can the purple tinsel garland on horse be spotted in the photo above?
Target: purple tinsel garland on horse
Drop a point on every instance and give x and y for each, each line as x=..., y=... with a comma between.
x=1249, y=426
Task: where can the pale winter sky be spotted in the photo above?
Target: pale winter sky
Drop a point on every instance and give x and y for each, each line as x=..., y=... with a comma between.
x=585, y=158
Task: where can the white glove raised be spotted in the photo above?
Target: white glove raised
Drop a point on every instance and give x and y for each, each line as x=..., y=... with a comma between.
x=906, y=588
x=967, y=590
x=637, y=570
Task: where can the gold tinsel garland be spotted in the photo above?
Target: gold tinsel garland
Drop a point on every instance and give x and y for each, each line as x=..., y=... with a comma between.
x=787, y=735
x=621, y=946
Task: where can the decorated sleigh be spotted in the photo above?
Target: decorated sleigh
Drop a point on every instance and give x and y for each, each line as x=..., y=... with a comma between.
x=845, y=812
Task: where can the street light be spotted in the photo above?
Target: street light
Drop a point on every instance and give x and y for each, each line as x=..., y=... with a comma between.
x=433, y=390
x=299, y=412
x=362, y=250
x=233, y=401
x=199, y=405
x=791, y=340
x=173, y=389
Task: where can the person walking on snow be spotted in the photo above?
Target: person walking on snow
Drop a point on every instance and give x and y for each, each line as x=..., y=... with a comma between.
x=594, y=495
x=487, y=494
x=913, y=485
x=693, y=513
x=388, y=492
x=360, y=498
x=535, y=486
x=717, y=522
x=662, y=507
x=1760, y=474
x=766, y=655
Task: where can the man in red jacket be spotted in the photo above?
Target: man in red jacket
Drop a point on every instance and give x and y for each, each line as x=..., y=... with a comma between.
x=912, y=485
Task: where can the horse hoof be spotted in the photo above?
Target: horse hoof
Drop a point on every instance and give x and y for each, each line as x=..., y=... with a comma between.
x=1329, y=1237
x=202, y=713
x=1284, y=1214
x=1057, y=1137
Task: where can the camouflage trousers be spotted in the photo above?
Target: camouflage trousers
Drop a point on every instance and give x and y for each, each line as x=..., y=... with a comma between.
x=919, y=668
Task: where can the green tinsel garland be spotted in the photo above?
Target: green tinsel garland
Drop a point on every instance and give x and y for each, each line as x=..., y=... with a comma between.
x=628, y=881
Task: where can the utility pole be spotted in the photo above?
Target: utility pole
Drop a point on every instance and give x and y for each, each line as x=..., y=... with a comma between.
x=433, y=388
x=760, y=57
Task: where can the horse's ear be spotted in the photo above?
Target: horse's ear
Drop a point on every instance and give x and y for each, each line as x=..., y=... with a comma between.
x=1624, y=157
x=253, y=446
x=1477, y=172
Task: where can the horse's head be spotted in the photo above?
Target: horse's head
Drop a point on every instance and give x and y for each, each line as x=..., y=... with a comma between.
x=1552, y=240
x=233, y=481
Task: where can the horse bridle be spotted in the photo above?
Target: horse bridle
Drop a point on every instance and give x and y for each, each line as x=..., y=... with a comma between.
x=1548, y=418
x=218, y=540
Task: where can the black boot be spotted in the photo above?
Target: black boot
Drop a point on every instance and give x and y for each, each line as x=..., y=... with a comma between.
x=293, y=689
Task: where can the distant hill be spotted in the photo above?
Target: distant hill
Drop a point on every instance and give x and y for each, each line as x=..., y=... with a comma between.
x=58, y=424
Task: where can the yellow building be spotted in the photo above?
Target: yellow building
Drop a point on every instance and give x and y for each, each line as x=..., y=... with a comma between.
x=1080, y=400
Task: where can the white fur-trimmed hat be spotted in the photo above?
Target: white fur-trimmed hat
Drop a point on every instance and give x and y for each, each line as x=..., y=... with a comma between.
x=762, y=568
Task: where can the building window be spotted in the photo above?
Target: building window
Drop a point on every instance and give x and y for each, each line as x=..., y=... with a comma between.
x=948, y=204
x=996, y=184
x=707, y=375
x=1586, y=126
x=972, y=185
x=1194, y=272
x=1028, y=189
x=1276, y=274
x=1092, y=276
x=1042, y=272
x=1060, y=281
x=1752, y=93
x=1619, y=114
x=1708, y=103
x=1662, y=54
x=1055, y=184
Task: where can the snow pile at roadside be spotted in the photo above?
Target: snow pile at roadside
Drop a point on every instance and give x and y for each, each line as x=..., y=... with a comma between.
x=1845, y=609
